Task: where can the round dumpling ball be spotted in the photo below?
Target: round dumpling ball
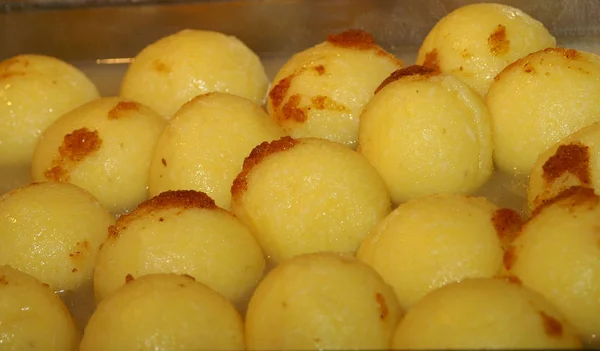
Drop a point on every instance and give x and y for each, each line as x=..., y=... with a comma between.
x=181, y=232
x=204, y=145
x=477, y=41
x=308, y=195
x=105, y=147
x=538, y=101
x=574, y=160
x=558, y=255
x=52, y=231
x=431, y=241
x=427, y=133
x=164, y=312
x=35, y=90
x=176, y=68
x=32, y=317
x=484, y=314
x=321, y=91
x=322, y=301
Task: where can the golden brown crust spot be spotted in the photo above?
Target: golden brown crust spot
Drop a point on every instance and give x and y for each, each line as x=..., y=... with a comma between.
x=573, y=158
x=115, y=112
x=188, y=277
x=420, y=72
x=552, y=327
x=432, y=60
x=81, y=248
x=74, y=270
x=528, y=68
x=353, y=39
x=513, y=279
x=571, y=198
x=321, y=102
x=76, y=146
x=320, y=69
x=160, y=66
x=257, y=155
x=171, y=199
x=129, y=278
x=507, y=223
x=383, y=308
x=292, y=111
x=6, y=75
x=497, y=41
x=279, y=91
x=3, y=280
x=164, y=162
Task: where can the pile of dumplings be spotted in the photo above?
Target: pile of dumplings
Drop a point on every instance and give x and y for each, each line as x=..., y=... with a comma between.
x=334, y=207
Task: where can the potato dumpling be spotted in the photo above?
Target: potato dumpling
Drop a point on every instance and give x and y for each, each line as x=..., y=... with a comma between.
x=105, y=147
x=204, y=145
x=477, y=41
x=322, y=301
x=574, y=160
x=427, y=133
x=484, y=314
x=308, y=195
x=52, y=231
x=181, y=232
x=539, y=100
x=176, y=68
x=321, y=91
x=431, y=241
x=558, y=255
x=164, y=312
x=32, y=317
x=35, y=90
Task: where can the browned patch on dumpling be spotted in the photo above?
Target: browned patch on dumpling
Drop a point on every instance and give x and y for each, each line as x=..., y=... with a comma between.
x=410, y=71
x=497, y=41
x=76, y=146
x=257, y=155
x=123, y=106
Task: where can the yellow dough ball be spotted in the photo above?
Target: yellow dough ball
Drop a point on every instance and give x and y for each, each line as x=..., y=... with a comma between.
x=539, y=100
x=52, y=231
x=484, y=314
x=181, y=232
x=35, y=90
x=204, y=145
x=431, y=241
x=308, y=195
x=164, y=312
x=32, y=317
x=176, y=68
x=427, y=133
x=475, y=42
x=322, y=301
x=105, y=147
x=558, y=255
x=574, y=160
x=321, y=91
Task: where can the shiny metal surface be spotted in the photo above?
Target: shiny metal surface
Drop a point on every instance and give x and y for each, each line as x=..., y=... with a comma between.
x=87, y=30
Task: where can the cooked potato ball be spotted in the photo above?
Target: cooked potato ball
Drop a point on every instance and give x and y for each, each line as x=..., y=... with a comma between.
x=35, y=90
x=171, y=71
x=321, y=91
x=181, y=232
x=164, y=312
x=52, y=231
x=431, y=241
x=427, y=133
x=484, y=314
x=32, y=317
x=104, y=147
x=322, y=301
x=539, y=100
x=574, y=160
x=204, y=145
x=475, y=42
x=558, y=255
x=308, y=195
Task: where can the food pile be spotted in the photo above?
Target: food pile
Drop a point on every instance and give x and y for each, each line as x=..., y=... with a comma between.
x=331, y=208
